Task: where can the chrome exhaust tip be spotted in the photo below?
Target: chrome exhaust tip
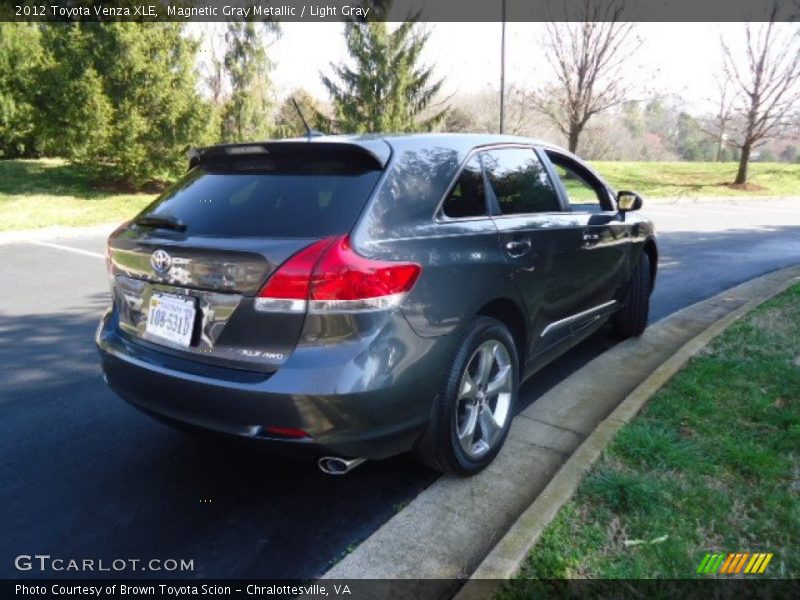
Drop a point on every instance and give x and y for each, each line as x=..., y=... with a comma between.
x=335, y=465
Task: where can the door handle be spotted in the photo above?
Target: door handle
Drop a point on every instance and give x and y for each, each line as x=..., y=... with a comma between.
x=517, y=248
x=591, y=238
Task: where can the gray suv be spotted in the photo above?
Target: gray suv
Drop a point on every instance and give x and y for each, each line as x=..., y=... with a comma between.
x=360, y=297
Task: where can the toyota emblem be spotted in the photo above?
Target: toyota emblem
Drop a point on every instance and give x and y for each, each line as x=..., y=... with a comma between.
x=161, y=262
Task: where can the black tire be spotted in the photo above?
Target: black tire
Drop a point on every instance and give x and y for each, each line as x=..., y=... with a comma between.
x=631, y=319
x=440, y=447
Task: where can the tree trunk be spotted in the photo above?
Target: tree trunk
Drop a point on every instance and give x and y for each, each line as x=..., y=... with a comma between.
x=744, y=160
x=572, y=138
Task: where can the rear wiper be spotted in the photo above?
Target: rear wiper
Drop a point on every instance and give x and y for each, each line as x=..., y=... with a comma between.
x=161, y=222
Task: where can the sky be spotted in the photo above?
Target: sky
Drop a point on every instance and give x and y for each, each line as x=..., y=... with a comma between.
x=681, y=59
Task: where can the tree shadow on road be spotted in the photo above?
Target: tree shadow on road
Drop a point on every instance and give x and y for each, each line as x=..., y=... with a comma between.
x=41, y=350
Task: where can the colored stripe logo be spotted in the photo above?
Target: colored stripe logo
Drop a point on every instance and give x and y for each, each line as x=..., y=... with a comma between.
x=733, y=563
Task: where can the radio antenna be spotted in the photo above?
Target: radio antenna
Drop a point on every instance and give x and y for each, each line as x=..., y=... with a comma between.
x=310, y=133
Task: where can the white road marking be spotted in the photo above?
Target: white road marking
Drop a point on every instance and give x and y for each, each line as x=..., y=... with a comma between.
x=69, y=249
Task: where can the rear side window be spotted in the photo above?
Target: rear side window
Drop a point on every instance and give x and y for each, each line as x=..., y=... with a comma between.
x=300, y=200
x=520, y=181
x=468, y=196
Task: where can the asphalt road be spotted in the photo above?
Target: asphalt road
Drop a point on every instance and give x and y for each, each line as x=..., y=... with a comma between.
x=86, y=476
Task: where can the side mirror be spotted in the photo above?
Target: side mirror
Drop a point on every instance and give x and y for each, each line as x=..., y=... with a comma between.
x=628, y=201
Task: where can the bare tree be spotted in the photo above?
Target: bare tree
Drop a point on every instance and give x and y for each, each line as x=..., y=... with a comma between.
x=587, y=59
x=767, y=89
x=212, y=67
x=718, y=125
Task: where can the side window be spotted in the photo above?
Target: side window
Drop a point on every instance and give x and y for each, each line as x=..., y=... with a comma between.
x=520, y=181
x=468, y=197
x=584, y=195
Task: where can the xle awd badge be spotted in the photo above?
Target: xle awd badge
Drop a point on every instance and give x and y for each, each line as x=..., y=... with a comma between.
x=161, y=261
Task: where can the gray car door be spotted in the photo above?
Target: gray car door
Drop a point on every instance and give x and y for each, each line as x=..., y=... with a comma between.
x=593, y=245
x=530, y=216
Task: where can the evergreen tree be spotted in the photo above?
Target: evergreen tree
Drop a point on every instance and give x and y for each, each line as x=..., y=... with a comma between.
x=247, y=114
x=21, y=58
x=387, y=89
x=122, y=96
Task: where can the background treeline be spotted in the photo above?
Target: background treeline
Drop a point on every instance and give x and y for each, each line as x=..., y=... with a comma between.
x=657, y=127
x=127, y=100
x=121, y=97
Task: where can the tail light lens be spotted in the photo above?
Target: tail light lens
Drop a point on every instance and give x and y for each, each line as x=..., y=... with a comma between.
x=288, y=288
x=328, y=276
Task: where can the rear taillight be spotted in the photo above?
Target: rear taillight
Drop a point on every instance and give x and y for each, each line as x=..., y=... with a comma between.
x=288, y=288
x=328, y=276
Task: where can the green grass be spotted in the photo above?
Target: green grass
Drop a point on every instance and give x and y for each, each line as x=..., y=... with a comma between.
x=712, y=462
x=669, y=179
x=38, y=193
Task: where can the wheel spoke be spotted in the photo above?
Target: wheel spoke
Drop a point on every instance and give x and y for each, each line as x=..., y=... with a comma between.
x=499, y=383
x=467, y=431
x=489, y=427
x=468, y=387
x=485, y=361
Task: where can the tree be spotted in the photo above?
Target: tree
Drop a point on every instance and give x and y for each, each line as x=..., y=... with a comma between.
x=387, y=89
x=767, y=90
x=718, y=125
x=247, y=113
x=587, y=60
x=690, y=140
x=288, y=123
x=122, y=96
x=21, y=58
x=213, y=68
x=459, y=120
x=789, y=154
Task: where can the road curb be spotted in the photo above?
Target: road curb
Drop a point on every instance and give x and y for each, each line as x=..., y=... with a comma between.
x=507, y=557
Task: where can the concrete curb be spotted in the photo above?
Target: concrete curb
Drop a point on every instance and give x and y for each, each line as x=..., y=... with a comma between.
x=507, y=557
x=483, y=525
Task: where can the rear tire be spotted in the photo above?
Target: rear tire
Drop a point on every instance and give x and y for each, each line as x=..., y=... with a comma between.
x=472, y=415
x=631, y=320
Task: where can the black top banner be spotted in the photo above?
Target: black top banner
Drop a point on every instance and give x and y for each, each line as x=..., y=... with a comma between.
x=401, y=10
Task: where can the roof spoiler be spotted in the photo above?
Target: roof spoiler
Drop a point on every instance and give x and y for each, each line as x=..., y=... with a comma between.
x=376, y=151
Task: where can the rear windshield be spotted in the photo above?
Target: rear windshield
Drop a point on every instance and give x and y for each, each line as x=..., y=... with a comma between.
x=252, y=200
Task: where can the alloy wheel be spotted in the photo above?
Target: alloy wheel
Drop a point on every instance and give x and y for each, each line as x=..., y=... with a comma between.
x=484, y=398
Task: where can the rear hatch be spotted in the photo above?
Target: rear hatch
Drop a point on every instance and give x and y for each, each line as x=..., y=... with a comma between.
x=187, y=269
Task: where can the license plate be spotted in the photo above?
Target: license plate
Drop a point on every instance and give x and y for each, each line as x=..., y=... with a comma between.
x=171, y=318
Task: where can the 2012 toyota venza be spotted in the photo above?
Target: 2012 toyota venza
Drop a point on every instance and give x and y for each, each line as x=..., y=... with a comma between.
x=360, y=297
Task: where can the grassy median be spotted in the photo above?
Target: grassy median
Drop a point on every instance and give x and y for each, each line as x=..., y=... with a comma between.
x=712, y=464
x=39, y=193
x=693, y=179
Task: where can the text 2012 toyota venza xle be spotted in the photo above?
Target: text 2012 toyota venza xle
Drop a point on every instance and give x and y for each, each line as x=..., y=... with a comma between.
x=360, y=297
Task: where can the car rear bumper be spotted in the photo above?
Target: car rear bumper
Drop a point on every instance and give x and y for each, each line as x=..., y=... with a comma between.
x=368, y=398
